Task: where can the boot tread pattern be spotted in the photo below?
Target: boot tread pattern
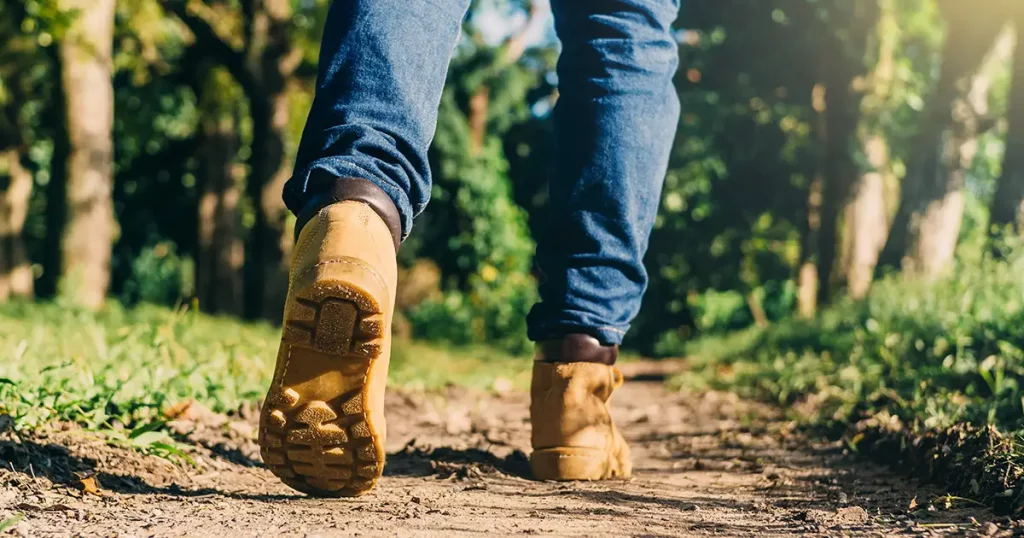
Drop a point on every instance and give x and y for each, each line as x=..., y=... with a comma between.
x=326, y=448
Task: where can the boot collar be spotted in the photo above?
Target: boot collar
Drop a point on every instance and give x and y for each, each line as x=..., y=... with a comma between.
x=576, y=348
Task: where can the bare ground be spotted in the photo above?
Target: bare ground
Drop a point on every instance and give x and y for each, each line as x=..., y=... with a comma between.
x=706, y=465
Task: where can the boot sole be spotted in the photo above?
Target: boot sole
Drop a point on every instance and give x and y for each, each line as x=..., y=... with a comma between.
x=316, y=433
x=566, y=464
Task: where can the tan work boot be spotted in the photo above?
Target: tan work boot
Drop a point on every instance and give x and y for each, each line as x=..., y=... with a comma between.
x=322, y=427
x=573, y=434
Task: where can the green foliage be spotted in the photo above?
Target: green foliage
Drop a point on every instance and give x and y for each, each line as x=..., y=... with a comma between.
x=474, y=230
x=717, y=311
x=115, y=372
x=486, y=228
x=735, y=201
x=487, y=248
x=927, y=375
x=735, y=198
x=493, y=312
x=124, y=366
x=935, y=355
x=160, y=276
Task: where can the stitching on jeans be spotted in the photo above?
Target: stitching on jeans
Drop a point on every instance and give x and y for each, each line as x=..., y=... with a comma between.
x=361, y=170
x=604, y=328
x=432, y=4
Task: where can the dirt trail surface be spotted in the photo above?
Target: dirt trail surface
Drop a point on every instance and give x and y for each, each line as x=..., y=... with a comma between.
x=705, y=465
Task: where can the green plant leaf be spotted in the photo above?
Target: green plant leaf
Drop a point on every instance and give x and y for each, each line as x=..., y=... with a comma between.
x=10, y=522
x=172, y=450
x=148, y=439
x=147, y=428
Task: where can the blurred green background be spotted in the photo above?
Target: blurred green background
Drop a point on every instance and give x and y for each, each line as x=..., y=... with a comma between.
x=144, y=143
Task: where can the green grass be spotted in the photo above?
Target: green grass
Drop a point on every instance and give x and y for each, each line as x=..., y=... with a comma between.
x=116, y=371
x=932, y=374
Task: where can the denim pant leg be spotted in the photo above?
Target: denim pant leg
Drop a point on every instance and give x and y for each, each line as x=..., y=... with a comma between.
x=615, y=122
x=382, y=69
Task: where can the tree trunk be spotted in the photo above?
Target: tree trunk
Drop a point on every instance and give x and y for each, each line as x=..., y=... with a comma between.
x=866, y=216
x=271, y=239
x=272, y=61
x=262, y=68
x=16, y=278
x=1008, y=203
x=807, y=290
x=86, y=72
x=221, y=251
x=55, y=190
x=757, y=309
x=839, y=172
x=924, y=234
x=808, y=279
x=479, y=110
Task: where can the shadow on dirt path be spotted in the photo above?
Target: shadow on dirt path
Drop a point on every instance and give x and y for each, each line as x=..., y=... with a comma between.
x=706, y=465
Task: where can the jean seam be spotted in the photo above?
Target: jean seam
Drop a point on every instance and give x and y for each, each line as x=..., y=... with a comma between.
x=342, y=164
x=598, y=328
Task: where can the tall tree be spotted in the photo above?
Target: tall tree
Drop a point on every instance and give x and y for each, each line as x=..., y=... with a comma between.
x=18, y=57
x=1008, y=203
x=263, y=65
x=220, y=250
x=16, y=278
x=866, y=216
x=924, y=233
x=838, y=168
x=808, y=278
x=86, y=58
x=835, y=104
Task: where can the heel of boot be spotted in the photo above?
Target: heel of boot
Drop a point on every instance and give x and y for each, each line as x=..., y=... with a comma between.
x=317, y=432
x=566, y=464
x=338, y=306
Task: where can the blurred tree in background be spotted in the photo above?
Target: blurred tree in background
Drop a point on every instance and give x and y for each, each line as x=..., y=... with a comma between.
x=143, y=146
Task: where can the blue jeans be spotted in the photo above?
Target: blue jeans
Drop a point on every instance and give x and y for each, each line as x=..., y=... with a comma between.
x=382, y=69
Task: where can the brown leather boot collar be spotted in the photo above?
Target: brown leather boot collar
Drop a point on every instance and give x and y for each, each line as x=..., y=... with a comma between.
x=576, y=348
x=356, y=189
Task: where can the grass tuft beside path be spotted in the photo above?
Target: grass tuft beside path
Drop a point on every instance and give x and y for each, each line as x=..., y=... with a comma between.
x=115, y=372
x=930, y=376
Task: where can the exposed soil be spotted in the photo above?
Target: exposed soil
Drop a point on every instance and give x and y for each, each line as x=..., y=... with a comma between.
x=706, y=465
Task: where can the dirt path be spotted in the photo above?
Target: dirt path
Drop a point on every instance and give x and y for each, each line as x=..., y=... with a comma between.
x=707, y=465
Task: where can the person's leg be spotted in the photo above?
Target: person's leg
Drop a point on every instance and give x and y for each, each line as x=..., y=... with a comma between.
x=615, y=122
x=361, y=176
x=382, y=69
